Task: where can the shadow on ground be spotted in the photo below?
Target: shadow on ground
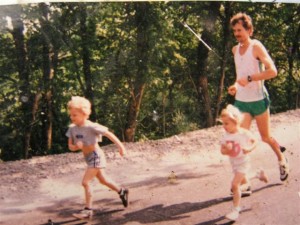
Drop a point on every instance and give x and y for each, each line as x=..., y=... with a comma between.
x=153, y=214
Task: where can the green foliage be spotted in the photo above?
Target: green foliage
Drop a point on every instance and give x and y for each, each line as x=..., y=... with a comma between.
x=171, y=103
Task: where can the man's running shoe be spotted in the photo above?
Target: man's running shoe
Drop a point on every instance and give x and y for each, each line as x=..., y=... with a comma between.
x=282, y=149
x=284, y=170
x=124, y=196
x=84, y=214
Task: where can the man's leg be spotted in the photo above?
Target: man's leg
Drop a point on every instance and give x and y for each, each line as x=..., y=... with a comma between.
x=263, y=124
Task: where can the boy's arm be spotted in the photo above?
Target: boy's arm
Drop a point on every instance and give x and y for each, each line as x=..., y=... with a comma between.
x=75, y=147
x=225, y=149
x=116, y=141
x=250, y=147
x=252, y=142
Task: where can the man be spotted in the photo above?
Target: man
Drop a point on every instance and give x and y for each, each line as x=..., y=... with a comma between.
x=254, y=65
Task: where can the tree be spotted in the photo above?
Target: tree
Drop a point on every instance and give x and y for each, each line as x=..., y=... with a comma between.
x=87, y=33
x=23, y=71
x=143, y=23
x=147, y=76
x=49, y=59
x=225, y=14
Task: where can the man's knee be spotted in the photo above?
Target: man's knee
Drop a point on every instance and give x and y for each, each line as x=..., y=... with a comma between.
x=267, y=140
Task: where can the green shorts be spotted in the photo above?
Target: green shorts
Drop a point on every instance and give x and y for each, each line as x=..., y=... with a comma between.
x=254, y=108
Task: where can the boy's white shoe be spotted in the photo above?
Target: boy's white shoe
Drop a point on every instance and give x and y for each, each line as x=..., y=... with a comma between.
x=233, y=215
x=84, y=214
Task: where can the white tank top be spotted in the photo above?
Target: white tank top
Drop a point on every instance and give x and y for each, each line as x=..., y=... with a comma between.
x=246, y=65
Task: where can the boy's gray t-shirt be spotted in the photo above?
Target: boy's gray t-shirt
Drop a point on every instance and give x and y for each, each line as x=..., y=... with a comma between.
x=89, y=134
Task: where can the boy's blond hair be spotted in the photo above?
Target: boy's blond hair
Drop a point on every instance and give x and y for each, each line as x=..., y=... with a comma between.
x=80, y=103
x=232, y=113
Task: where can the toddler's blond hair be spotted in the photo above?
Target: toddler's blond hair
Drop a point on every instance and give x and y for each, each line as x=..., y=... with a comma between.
x=232, y=113
x=80, y=103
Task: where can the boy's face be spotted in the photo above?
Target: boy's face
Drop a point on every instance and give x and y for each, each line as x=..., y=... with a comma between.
x=229, y=125
x=77, y=117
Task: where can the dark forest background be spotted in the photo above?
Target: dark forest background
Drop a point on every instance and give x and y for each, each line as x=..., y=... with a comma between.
x=147, y=76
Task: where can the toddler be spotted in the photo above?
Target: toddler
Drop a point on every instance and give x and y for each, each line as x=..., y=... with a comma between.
x=237, y=142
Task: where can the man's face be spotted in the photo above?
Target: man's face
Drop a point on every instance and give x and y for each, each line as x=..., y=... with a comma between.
x=240, y=33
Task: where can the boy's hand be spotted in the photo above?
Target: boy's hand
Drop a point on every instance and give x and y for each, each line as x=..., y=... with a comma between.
x=122, y=151
x=245, y=151
x=79, y=144
x=229, y=146
x=250, y=146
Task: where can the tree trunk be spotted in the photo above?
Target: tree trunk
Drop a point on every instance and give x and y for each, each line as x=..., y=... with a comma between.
x=48, y=75
x=86, y=38
x=202, y=84
x=25, y=97
x=142, y=24
x=292, y=55
x=224, y=55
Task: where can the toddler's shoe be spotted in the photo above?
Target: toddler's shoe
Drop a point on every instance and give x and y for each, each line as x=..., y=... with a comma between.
x=233, y=215
x=84, y=214
x=262, y=176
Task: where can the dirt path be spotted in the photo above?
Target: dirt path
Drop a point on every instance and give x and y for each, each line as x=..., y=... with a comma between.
x=48, y=188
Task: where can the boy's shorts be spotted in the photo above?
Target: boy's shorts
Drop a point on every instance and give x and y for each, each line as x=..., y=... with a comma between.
x=95, y=160
x=254, y=108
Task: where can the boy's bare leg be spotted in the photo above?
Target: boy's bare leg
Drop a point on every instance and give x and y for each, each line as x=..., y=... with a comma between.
x=105, y=180
x=90, y=173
